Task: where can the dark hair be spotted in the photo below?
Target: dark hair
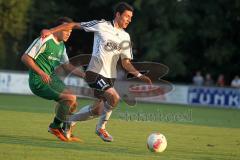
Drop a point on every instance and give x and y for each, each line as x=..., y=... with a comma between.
x=62, y=20
x=121, y=7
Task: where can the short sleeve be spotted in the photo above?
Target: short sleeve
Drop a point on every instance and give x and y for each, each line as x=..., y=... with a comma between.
x=92, y=26
x=126, y=49
x=64, y=58
x=34, y=48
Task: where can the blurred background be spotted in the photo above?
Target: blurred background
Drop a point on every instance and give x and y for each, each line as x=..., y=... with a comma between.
x=198, y=40
x=186, y=35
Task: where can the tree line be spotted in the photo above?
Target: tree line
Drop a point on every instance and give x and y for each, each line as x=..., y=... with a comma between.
x=185, y=35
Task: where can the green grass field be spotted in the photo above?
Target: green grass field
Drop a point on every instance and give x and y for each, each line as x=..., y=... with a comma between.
x=193, y=133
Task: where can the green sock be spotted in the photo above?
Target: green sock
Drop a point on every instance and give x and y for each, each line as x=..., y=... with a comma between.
x=62, y=112
x=56, y=123
x=66, y=125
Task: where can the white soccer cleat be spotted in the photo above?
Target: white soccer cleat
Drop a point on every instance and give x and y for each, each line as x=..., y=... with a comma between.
x=104, y=135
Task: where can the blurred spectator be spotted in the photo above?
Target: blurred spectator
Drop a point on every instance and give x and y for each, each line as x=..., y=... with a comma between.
x=220, y=81
x=236, y=82
x=208, y=80
x=198, y=79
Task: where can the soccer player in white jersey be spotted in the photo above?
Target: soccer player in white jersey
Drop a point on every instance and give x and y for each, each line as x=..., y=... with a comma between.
x=111, y=43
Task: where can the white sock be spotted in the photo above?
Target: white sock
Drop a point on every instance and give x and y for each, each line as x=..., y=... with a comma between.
x=107, y=111
x=82, y=115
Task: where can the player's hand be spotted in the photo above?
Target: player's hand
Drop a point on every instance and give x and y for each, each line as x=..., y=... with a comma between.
x=83, y=75
x=45, y=33
x=76, y=26
x=46, y=78
x=145, y=79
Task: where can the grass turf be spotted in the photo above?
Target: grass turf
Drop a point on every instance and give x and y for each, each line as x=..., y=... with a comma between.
x=198, y=133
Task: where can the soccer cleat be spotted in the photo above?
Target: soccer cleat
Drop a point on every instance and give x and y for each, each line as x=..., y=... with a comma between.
x=67, y=131
x=104, y=135
x=72, y=138
x=58, y=132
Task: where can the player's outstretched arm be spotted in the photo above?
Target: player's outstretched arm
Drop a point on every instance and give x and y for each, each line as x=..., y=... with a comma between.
x=76, y=71
x=126, y=63
x=30, y=63
x=62, y=27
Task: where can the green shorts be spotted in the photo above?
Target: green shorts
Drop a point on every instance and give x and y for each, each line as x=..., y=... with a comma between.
x=49, y=91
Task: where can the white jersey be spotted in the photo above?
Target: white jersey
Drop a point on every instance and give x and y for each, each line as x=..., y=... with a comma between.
x=110, y=43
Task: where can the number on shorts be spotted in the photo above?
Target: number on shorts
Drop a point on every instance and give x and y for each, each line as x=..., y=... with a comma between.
x=101, y=83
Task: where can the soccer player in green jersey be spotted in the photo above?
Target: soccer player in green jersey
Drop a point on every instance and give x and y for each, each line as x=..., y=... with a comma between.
x=42, y=57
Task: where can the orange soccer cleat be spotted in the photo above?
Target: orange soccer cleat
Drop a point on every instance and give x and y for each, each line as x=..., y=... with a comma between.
x=58, y=132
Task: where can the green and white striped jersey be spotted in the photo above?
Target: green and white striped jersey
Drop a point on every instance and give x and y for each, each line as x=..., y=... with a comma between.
x=48, y=53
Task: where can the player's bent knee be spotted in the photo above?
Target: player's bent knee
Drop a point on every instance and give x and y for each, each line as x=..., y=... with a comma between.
x=73, y=98
x=114, y=100
x=73, y=107
x=70, y=99
x=117, y=98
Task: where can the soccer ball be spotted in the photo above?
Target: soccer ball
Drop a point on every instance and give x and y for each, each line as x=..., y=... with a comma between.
x=157, y=142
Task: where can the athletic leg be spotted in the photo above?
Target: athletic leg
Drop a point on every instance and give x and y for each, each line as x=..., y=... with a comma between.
x=112, y=99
